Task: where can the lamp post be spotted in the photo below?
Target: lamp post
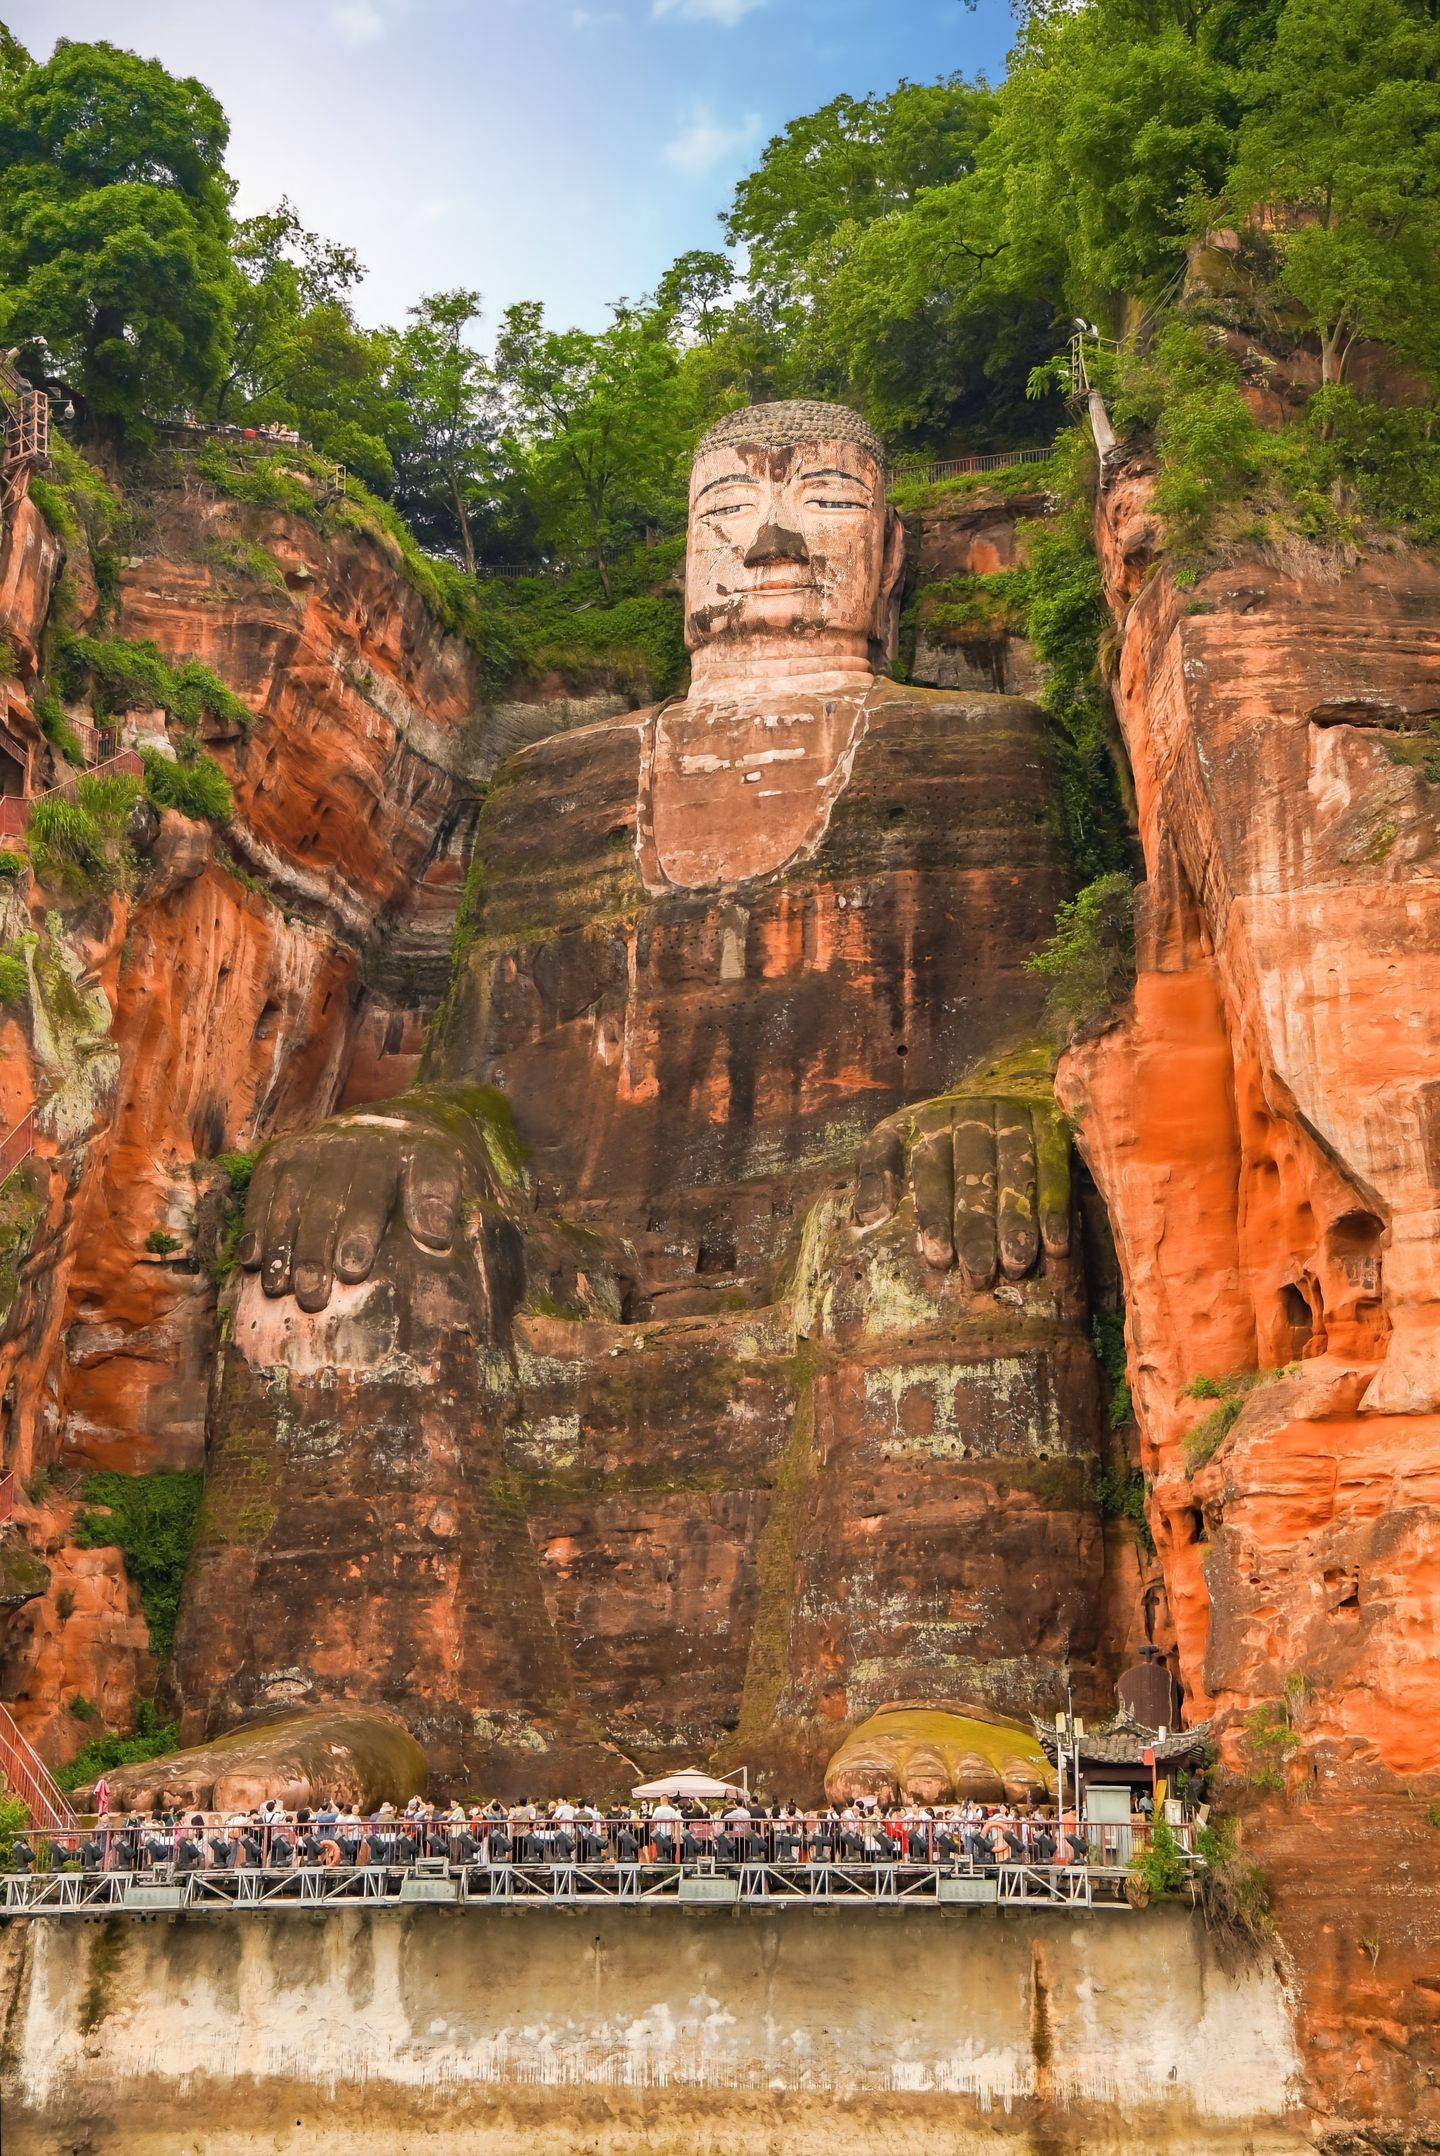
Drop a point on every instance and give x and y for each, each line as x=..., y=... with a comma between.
x=1069, y=1729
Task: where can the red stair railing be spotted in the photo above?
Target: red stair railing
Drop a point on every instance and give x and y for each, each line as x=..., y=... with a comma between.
x=17, y=1145
x=15, y=808
x=29, y=1779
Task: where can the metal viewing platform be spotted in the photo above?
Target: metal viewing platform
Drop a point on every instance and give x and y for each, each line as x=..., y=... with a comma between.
x=436, y=1882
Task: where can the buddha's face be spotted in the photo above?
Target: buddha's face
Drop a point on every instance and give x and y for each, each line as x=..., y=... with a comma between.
x=792, y=552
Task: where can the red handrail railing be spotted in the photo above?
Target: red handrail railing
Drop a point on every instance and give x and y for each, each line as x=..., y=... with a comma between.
x=30, y=1779
x=15, y=808
x=7, y=1495
x=17, y=1145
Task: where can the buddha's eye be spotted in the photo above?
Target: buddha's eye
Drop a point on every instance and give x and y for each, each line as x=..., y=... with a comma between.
x=818, y=503
x=728, y=509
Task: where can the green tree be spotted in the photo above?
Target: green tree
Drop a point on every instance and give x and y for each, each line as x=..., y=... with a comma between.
x=1112, y=136
x=603, y=424
x=14, y=59
x=114, y=215
x=691, y=291
x=1342, y=149
x=879, y=249
x=919, y=317
x=283, y=272
x=446, y=395
x=855, y=159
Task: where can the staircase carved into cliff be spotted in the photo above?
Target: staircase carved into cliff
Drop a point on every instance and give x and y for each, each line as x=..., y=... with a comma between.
x=27, y=1777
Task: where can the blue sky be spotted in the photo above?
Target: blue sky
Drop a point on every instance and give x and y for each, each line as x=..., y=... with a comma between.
x=563, y=150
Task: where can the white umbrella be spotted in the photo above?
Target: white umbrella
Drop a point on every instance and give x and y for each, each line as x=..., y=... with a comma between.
x=689, y=1782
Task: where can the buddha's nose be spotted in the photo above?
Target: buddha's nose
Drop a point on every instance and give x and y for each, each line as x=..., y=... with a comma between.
x=776, y=542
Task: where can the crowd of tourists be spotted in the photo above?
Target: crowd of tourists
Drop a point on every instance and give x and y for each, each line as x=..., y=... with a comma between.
x=274, y=1838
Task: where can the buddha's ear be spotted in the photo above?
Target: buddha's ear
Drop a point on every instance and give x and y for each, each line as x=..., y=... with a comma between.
x=886, y=633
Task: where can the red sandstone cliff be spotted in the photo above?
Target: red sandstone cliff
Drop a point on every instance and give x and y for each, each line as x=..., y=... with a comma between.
x=229, y=989
x=1261, y=1121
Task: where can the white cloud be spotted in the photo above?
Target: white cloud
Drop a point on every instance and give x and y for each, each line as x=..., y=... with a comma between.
x=587, y=18
x=703, y=142
x=357, y=22
x=725, y=12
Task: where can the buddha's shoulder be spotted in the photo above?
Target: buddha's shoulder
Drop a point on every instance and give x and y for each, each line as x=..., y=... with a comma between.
x=895, y=702
x=593, y=746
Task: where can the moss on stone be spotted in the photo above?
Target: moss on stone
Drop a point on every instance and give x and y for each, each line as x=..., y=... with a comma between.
x=22, y=1208
x=103, y=1988
x=355, y=1753
x=767, y=1664
x=237, y=1510
x=981, y=1753
x=23, y=1575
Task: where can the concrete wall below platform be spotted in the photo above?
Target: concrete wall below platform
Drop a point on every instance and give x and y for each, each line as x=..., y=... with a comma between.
x=649, y=2029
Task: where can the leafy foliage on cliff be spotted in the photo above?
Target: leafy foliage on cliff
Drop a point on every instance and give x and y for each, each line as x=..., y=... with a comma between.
x=1066, y=620
x=151, y=1520
x=119, y=675
x=1160, y=1867
x=14, y=980
x=1090, y=960
x=81, y=844
x=114, y=224
x=150, y=1739
x=193, y=783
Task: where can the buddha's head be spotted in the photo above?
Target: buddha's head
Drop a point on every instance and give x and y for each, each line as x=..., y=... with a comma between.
x=795, y=556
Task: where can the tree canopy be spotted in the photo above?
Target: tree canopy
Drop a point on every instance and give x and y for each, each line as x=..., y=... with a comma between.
x=921, y=253
x=114, y=224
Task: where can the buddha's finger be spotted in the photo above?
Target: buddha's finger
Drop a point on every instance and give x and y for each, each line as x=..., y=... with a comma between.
x=321, y=1209
x=430, y=1191
x=281, y=1222
x=932, y=1181
x=257, y=1209
x=1052, y=1174
x=879, y=1171
x=974, y=1145
x=1018, y=1229
x=369, y=1202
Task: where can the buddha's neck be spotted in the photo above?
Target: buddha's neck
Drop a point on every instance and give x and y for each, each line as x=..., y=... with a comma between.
x=716, y=673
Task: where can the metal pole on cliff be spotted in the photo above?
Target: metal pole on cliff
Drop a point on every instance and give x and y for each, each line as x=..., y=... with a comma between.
x=1060, y=1768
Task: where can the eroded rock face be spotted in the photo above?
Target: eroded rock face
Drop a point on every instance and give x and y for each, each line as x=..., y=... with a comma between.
x=213, y=1001
x=1261, y=1121
x=964, y=536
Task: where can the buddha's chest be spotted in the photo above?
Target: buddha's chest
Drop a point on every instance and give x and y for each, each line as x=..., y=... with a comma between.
x=734, y=790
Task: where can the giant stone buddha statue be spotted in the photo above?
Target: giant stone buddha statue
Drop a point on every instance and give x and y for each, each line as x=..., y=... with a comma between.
x=698, y=1356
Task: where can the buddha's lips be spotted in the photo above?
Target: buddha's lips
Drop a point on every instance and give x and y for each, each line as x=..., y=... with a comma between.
x=770, y=585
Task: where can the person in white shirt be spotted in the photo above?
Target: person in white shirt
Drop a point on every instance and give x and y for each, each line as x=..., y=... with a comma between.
x=665, y=1830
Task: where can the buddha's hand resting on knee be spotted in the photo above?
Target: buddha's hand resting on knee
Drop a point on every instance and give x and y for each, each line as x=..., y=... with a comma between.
x=325, y=1203
x=989, y=1176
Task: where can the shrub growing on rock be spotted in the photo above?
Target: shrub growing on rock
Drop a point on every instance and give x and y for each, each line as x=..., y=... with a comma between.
x=151, y=1519
x=1090, y=959
x=81, y=844
x=195, y=785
